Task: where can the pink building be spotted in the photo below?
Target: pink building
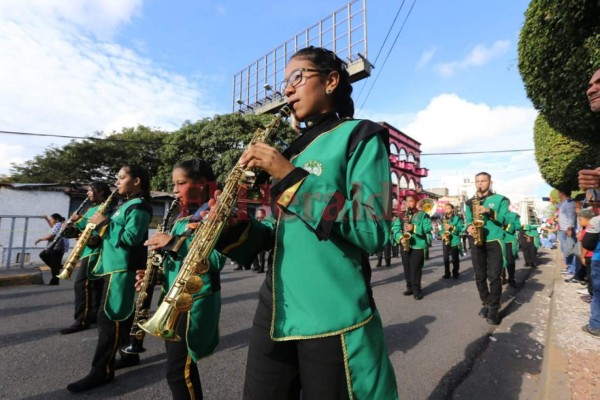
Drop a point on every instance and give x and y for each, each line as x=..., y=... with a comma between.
x=405, y=164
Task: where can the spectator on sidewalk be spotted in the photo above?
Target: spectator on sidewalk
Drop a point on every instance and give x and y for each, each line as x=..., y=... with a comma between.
x=53, y=254
x=567, y=221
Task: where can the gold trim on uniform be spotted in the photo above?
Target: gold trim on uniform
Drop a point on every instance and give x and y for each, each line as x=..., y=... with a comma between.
x=347, y=368
x=286, y=197
x=242, y=239
x=188, y=382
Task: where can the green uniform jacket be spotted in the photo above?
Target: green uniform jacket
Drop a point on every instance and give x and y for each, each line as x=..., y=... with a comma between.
x=532, y=231
x=512, y=227
x=494, y=221
x=122, y=254
x=331, y=210
x=456, y=228
x=422, y=228
x=92, y=255
x=202, y=333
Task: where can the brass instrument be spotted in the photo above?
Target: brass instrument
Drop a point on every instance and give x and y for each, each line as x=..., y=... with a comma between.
x=428, y=206
x=69, y=265
x=477, y=223
x=179, y=298
x=64, y=226
x=405, y=240
x=446, y=234
x=144, y=298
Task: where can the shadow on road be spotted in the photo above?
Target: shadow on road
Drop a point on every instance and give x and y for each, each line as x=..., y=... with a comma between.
x=405, y=336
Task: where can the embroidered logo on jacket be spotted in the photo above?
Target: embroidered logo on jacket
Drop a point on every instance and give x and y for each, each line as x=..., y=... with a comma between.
x=314, y=167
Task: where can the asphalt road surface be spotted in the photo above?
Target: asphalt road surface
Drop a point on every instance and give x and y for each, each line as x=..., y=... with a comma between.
x=434, y=343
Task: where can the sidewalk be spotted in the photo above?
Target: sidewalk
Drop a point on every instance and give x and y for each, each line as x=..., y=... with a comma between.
x=571, y=367
x=29, y=275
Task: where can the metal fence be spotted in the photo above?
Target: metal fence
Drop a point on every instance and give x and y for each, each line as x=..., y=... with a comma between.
x=16, y=236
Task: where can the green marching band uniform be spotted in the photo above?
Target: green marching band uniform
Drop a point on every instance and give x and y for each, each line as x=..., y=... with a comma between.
x=530, y=247
x=122, y=254
x=454, y=247
x=331, y=211
x=456, y=228
x=202, y=330
x=489, y=259
x=512, y=226
x=89, y=256
x=420, y=235
x=531, y=230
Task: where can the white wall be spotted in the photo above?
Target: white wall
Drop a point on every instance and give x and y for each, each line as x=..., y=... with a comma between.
x=33, y=203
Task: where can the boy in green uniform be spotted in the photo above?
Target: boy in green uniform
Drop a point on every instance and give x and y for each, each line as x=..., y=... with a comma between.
x=87, y=287
x=122, y=253
x=511, y=229
x=417, y=224
x=531, y=243
x=317, y=331
x=451, y=230
x=488, y=256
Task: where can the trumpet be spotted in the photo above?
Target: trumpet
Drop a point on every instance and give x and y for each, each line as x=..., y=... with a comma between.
x=67, y=270
x=179, y=298
x=144, y=299
x=477, y=223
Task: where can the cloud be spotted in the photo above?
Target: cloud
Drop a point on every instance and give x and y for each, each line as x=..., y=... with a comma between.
x=61, y=73
x=8, y=156
x=450, y=122
x=425, y=58
x=479, y=56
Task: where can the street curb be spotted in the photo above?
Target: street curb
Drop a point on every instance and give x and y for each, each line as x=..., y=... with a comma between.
x=26, y=278
x=555, y=382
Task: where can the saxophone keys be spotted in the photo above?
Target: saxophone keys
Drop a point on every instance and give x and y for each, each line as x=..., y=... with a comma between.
x=184, y=302
x=193, y=284
x=247, y=179
x=202, y=266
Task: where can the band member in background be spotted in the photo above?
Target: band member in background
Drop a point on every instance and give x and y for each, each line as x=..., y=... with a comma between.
x=417, y=224
x=87, y=287
x=53, y=256
x=531, y=242
x=488, y=259
x=393, y=243
x=198, y=328
x=451, y=230
x=511, y=229
x=332, y=205
x=123, y=252
x=258, y=265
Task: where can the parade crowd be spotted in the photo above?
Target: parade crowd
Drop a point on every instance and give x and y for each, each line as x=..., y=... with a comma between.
x=318, y=338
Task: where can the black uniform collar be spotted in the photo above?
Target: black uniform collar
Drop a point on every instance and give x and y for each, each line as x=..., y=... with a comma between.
x=315, y=125
x=489, y=193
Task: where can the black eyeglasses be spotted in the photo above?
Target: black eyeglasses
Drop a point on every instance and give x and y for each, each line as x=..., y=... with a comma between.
x=296, y=76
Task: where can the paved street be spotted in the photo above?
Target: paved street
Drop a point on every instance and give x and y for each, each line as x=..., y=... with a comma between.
x=439, y=347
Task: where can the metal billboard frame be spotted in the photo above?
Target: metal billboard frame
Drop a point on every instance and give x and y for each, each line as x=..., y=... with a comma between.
x=255, y=88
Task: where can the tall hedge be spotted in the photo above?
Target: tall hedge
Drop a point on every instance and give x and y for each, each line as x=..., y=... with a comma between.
x=560, y=157
x=559, y=49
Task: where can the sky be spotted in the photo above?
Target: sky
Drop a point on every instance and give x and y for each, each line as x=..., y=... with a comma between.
x=451, y=79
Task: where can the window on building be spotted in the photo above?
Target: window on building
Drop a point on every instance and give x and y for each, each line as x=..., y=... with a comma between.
x=403, y=183
x=393, y=149
x=411, y=158
x=402, y=155
x=411, y=184
x=394, y=178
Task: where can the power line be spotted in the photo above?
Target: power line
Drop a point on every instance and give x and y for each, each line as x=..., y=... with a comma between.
x=76, y=137
x=383, y=45
x=476, y=152
x=388, y=54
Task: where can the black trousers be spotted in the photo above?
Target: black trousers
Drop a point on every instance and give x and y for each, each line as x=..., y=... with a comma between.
x=529, y=252
x=413, y=262
x=386, y=253
x=451, y=252
x=487, y=264
x=182, y=371
x=510, y=262
x=259, y=262
x=311, y=369
x=53, y=259
x=88, y=295
x=111, y=336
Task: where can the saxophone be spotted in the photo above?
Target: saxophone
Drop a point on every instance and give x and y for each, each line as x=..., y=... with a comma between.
x=144, y=299
x=405, y=240
x=477, y=223
x=446, y=234
x=179, y=298
x=82, y=242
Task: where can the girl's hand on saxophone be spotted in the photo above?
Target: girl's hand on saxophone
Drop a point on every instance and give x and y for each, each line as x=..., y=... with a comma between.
x=158, y=241
x=97, y=218
x=267, y=158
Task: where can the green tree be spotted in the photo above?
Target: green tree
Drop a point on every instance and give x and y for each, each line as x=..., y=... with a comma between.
x=219, y=140
x=94, y=158
x=559, y=49
x=560, y=157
